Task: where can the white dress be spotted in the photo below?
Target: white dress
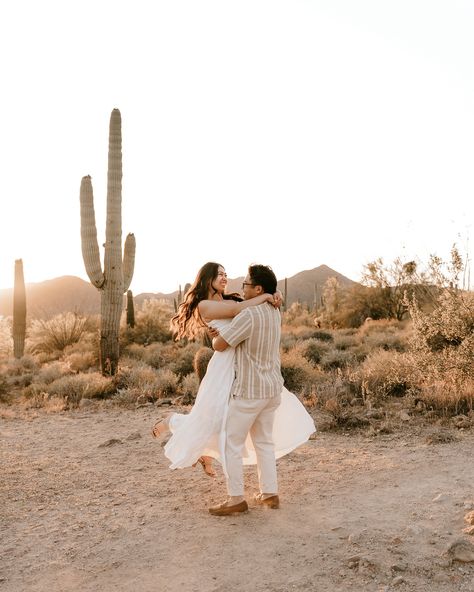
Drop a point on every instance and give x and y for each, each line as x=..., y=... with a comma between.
x=202, y=430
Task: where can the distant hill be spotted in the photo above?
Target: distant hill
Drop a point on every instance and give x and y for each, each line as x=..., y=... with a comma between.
x=45, y=299
x=70, y=293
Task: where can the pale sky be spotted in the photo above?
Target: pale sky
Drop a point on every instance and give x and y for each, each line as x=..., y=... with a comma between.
x=293, y=133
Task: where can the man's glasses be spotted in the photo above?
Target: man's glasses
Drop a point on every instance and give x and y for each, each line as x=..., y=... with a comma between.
x=246, y=284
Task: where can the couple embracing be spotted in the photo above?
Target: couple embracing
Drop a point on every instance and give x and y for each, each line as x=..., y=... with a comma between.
x=242, y=413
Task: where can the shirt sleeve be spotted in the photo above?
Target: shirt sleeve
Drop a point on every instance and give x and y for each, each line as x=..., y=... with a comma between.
x=238, y=330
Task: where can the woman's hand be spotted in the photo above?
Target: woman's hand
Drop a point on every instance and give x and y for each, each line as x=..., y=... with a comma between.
x=212, y=332
x=277, y=299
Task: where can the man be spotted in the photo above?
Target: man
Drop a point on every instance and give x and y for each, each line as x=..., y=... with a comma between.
x=255, y=394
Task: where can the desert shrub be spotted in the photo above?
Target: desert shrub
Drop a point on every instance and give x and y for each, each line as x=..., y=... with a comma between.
x=25, y=365
x=75, y=387
x=167, y=383
x=135, y=351
x=443, y=338
x=288, y=340
x=57, y=333
x=371, y=326
x=312, y=349
x=6, y=341
x=446, y=398
x=155, y=355
x=151, y=323
x=387, y=341
x=51, y=372
x=184, y=355
x=335, y=358
x=386, y=374
x=190, y=387
x=139, y=376
x=322, y=335
x=82, y=362
x=143, y=379
x=298, y=315
x=4, y=389
x=298, y=373
x=201, y=360
x=345, y=342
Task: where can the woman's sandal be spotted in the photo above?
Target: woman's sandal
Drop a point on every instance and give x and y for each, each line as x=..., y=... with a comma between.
x=206, y=463
x=159, y=428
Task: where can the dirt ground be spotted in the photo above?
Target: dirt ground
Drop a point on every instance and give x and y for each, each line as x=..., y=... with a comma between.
x=88, y=504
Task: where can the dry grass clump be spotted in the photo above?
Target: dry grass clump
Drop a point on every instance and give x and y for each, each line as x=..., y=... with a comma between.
x=71, y=388
x=51, y=372
x=142, y=380
x=386, y=374
x=183, y=362
x=336, y=358
x=189, y=388
x=448, y=398
x=312, y=350
x=299, y=374
x=55, y=334
x=152, y=324
x=6, y=341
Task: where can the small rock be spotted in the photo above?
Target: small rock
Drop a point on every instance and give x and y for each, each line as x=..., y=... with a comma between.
x=404, y=416
x=469, y=530
x=353, y=561
x=110, y=442
x=375, y=414
x=397, y=581
x=162, y=402
x=461, y=421
x=461, y=550
x=468, y=505
x=366, y=566
x=356, y=537
x=134, y=436
x=469, y=517
x=441, y=497
x=441, y=578
x=85, y=403
x=399, y=567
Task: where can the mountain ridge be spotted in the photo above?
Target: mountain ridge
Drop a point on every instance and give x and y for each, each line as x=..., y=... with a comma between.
x=73, y=294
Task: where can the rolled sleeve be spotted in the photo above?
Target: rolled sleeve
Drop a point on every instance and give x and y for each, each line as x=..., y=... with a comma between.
x=238, y=330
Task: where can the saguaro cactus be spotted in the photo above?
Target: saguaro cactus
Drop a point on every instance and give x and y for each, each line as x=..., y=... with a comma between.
x=117, y=275
x=19, y=311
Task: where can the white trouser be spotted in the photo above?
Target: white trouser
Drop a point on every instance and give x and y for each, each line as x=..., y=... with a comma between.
x=254, y=416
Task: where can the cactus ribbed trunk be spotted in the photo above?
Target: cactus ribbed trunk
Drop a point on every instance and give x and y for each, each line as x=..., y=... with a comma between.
x=117, y=274
x=111, y=302
x=19, y=311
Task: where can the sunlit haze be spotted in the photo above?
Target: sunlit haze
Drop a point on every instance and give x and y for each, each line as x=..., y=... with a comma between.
x=290, y=133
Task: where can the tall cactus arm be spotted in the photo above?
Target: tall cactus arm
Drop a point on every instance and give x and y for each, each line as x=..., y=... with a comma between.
x=113, y=228
x=90, y=246
x=128, y=261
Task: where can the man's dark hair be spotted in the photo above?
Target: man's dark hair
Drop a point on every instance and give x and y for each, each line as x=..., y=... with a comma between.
x=263, y=275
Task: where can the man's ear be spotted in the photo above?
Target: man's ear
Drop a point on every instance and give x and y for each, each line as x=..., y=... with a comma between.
x=259, y=290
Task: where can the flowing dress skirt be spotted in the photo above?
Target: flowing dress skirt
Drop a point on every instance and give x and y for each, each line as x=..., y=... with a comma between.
x=202, y=430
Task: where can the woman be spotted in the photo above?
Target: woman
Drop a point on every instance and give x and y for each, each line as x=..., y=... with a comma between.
x=200, y=435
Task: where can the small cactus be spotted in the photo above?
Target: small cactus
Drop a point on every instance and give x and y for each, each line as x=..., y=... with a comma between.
x=130, y=310
x=19, y=311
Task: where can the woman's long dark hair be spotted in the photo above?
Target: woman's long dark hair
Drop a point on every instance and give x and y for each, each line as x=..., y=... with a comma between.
x=187, y=322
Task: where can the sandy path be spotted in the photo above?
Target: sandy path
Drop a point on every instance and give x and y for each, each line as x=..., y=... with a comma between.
x=76, y=515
